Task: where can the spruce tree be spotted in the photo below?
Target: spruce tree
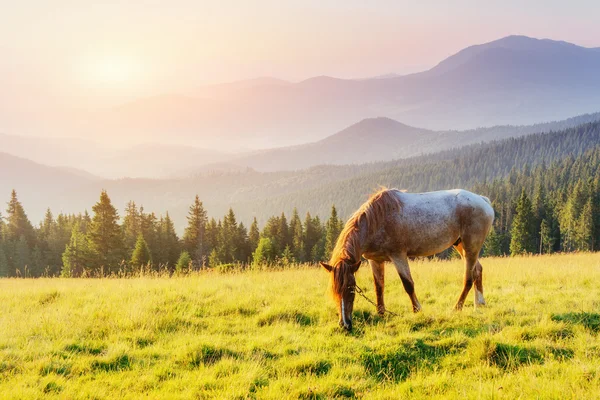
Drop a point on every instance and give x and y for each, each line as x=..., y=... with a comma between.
x=333, y=229
x=79, y=254
x=106, y=236
x=4, y=268
x=297, y=237
x=168, y=243
x=253, y=235
x=17, y=223
x=184, y=263
x=131, y=227
x=194, y=238
x=141, y=254
x=523, y=228
x=546, y=237
x=264, y=253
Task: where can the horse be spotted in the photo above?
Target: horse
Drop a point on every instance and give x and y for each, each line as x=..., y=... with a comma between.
x=393, y=226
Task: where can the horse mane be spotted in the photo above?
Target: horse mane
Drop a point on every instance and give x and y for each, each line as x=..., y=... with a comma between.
x=370, y=216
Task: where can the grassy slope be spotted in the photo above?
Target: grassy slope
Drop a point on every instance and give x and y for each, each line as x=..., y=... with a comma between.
x=275, y=335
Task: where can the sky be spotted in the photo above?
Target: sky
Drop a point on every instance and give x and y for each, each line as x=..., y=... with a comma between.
x=88, y=53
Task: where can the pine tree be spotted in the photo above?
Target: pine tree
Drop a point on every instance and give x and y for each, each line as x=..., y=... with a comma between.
x=22, y=257
x=229, y=243
x=194, y=238
x=79, y=254
x=168, y=243
x=17, y=223
x=493, y=244
x=333, y=229
x=253, y=236
x=106, y=236
x=4, y=268
x=523, y=229
x=184, y=263
x=585, y=227
x=546, y=237
x=149, y=229
x=141, y=254
x=297, y=237
x=264, y=253
x=131, y=227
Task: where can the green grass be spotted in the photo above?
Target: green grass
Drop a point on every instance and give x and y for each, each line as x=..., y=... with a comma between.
x=275, y=335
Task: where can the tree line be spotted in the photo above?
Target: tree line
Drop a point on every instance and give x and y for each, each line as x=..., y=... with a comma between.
x=101, y=244
x=546, y=209
x=539, y=209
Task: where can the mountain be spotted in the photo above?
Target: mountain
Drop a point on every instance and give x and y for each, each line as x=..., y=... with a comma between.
x=262, y=194
x=37, y=184
x=516, y=80
x=383, y=139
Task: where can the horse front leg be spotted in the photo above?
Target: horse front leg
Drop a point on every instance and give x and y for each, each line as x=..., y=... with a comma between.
x=401, y=264
x=378, y=270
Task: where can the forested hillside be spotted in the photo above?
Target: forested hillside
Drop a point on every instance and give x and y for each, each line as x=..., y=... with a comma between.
x=545, y=190
x=457, y=168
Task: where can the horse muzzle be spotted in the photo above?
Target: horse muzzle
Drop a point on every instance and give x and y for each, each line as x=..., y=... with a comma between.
x=346, y=326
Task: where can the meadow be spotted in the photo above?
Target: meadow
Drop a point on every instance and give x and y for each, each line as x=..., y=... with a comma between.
x=274, y=334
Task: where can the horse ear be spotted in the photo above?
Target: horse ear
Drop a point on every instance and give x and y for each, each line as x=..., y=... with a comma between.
x=328, y=267
x=354, y=267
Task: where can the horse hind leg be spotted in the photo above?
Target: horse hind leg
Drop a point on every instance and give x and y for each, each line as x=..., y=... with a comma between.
x=401, y=264
x=478, y=278
x=473, y=275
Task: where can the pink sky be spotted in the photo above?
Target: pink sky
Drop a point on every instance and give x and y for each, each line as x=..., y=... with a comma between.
x=80, y=52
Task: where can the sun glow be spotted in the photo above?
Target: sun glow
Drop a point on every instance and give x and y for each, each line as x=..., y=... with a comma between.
x=111, y=71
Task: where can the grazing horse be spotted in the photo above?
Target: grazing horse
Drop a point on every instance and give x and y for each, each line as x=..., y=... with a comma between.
x=394, y=225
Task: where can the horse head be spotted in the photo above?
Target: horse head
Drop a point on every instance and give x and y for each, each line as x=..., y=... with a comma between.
x=343, y=285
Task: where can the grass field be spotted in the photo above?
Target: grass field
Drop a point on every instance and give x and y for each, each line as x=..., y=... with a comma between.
x=275, y=335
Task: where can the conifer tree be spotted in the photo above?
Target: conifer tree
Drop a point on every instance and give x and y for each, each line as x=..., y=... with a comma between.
x=253, y=236
x=523, y=229
x=4, y=268
x=585, y=227
x=493, y=244
x=17, y=223
x=194, y=238
x=546, y=237
x=131, y=226
x=333, y=229
x=297, y=237
x=106, y=236
x=168, y=243
x=264, y=253
x=78, y=255
x=184, y=263
x=141, y=254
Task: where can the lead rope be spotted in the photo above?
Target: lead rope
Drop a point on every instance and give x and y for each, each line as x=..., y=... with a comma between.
x=358, y=290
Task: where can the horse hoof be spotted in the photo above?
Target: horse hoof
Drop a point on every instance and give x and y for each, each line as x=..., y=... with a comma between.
x=458, y=307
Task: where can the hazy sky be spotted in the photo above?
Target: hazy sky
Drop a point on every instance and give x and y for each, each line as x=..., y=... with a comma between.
x=77, y=50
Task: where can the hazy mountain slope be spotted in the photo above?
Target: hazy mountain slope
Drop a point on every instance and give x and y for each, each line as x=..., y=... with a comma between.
x=383, y=139
x=445, y=170
x=258, y=194
x=515, y=80
x=39, y=184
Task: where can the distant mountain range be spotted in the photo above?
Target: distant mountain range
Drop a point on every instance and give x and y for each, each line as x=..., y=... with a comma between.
x=263, y=194
x=384, y=139
x=370, y=140
x=513, y=80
